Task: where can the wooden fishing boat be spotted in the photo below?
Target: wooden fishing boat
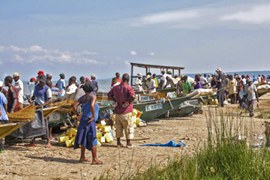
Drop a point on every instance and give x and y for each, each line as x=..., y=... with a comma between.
x=17, y=120
x=186, y=108
x=154, y=109
x=8, y=128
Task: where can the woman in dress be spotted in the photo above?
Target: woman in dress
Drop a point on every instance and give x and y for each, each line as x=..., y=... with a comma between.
x=86, y=135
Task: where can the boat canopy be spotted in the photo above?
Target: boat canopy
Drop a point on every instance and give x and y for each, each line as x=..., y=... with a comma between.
x=175, y=70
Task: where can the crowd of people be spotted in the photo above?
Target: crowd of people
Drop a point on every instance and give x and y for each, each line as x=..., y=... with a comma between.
x=236, y=88
x=230, y=88
x=41, y=87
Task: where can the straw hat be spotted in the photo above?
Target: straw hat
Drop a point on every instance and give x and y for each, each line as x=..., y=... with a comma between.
x=16, y=74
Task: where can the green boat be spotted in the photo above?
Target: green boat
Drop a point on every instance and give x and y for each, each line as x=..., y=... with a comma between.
x=186, y=108
x=154, y=109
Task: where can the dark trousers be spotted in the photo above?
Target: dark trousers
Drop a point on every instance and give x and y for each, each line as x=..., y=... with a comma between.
x=221, y=97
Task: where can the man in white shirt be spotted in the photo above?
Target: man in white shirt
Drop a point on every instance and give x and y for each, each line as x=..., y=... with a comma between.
x=151, y=84
x=19, y=85
x=138, y=82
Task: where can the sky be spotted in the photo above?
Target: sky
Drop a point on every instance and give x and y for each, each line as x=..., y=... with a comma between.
x=101, y=37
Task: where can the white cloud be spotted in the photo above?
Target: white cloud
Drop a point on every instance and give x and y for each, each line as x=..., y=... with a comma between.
x=38, y=54
x=213, y=15
x=18, y=58
x=256, y=15
x=167, y=17
x=36, y=48
x=151, y=54
x=133, y=53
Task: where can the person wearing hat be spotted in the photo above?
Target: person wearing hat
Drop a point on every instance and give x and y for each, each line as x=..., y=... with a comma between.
x=3, y=112
x=41, y=97
x=151, y=85
x=40, y=74
x=221, y=86
x=251, y=95
x=19, y=85
x=138, y=82
x=61, y=85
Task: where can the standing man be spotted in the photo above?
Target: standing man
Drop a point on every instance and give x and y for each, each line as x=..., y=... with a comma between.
x=138, y=82
x=251, y=93
x=151, y=85
x=12, y=96
x=42, y=96
x=61, y=85
x=221, y=85
x=94, y=83
x=123, y=95
x=49, y=80
x=19, y=86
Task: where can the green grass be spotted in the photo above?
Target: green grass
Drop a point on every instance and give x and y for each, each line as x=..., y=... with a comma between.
x=223, y=157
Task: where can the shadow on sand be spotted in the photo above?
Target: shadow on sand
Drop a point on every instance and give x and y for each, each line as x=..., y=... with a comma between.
x=61, y=160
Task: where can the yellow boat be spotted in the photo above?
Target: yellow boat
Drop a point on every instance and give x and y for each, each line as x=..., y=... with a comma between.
x=17, y=120
x=8, y=128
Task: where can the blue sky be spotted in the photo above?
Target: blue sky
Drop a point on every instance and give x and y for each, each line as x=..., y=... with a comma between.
x=102, y=37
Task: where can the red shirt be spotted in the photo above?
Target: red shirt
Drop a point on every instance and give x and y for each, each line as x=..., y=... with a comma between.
x=122, y=93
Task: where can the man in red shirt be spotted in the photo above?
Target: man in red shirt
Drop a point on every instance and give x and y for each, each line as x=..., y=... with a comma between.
x=123, y=95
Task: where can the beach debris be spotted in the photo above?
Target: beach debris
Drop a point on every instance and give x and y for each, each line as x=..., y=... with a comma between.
x=68, y=138
x=168, y=144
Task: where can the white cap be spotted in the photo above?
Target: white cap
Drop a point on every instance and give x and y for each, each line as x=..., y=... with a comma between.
x=16, y=74
x=1, y=83
x=139, y=75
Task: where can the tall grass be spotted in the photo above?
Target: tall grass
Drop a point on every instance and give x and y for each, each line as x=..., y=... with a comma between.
x=226, y=155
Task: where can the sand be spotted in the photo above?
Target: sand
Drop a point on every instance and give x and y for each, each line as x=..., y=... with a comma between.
x=59, y=162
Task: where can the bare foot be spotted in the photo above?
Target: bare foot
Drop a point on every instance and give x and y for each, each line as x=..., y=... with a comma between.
x=97, y=162
x=48, y=146
x=82, y=160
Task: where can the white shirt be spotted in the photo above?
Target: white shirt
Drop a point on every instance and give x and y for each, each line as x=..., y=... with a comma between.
x=138, y=83
x=71, y=89
x=31, y=87
x=151, y=86
x=19, y=86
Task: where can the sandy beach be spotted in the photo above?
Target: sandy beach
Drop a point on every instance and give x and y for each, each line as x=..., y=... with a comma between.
x=59, y=162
